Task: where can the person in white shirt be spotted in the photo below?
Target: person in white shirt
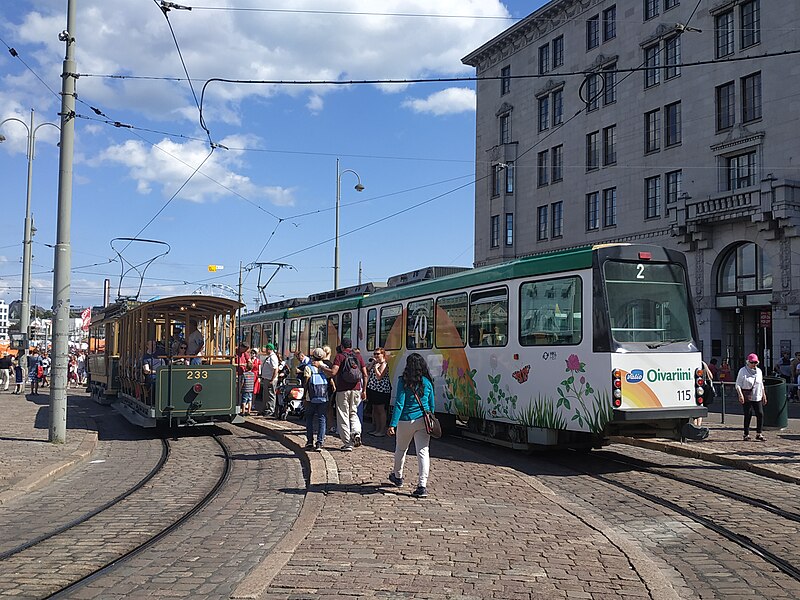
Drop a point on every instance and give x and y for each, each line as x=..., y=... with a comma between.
x=194, y=342
x=752, y=395
x=269, y=380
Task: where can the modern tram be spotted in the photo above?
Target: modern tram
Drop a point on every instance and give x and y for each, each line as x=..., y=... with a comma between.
x=127, y=337
x=563, y=349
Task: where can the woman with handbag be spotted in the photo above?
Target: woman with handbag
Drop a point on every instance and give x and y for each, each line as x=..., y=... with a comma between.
x=414, y=399
x=752, y=395
x=379, y=391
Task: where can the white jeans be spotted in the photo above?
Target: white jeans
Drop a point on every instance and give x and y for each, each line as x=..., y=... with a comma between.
x=347, y=414
x=404, y=432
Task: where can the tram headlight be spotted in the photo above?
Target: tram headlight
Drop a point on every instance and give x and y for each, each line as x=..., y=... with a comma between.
x=699, y=391
x=197, y=388
x=618, y=394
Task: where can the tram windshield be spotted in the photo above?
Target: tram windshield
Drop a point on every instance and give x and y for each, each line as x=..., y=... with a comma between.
x=648, y=305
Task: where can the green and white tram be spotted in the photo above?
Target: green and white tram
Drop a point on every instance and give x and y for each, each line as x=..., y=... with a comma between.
x=563, y=349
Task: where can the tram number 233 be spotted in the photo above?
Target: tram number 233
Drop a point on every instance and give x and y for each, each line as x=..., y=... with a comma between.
x=196, y=374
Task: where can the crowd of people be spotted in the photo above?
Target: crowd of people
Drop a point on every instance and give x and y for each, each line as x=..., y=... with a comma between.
x=40, y=370
x=337, y=388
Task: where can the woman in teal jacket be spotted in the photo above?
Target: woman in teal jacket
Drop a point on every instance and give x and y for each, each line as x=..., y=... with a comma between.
x=408, y=422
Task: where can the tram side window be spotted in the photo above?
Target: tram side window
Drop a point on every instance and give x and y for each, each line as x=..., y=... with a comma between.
x=332, y=338
x=302, y=342
x=256, y=337
x=451, y=321
x=372, y=319
x=347, y=328
x=293, y=336
x=391, y=331
x=266, y=336
x=319, y=332
x=550, y=312
x=246, y=337
x=276, y=336
x=488, y=318
x=419, y=332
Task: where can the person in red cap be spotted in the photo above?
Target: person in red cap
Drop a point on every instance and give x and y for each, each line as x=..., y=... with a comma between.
x=752, y=395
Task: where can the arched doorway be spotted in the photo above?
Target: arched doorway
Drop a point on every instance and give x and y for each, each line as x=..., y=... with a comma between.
x=744, y=295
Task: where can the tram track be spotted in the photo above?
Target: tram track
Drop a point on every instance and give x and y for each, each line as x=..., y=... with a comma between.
x=196, y=507
x=85, y=517
x=742, y=540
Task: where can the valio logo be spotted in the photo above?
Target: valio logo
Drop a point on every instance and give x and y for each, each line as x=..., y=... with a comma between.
x=634, y=376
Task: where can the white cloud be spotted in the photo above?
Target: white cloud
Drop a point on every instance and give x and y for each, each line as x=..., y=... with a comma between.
x=169, y=164
x=315, y=104
x=445, y=102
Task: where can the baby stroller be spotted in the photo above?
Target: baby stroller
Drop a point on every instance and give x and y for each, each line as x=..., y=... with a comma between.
x=290, y=396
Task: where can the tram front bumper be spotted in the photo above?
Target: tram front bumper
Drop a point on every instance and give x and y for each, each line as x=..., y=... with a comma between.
x=631, y=415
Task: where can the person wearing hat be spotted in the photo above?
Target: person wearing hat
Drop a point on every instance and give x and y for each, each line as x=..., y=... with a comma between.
x=269, y=380
x=752, y=395
x=316, y=400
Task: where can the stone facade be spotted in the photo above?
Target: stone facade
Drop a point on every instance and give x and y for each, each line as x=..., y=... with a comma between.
x=702, y=159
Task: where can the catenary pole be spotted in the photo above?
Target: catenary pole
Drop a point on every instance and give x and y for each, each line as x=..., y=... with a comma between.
x=62, y=261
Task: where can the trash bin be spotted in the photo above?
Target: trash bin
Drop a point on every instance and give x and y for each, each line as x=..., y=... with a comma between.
x=776, y=412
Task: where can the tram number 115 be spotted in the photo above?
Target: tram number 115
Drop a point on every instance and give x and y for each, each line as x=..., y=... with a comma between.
x=685, y=396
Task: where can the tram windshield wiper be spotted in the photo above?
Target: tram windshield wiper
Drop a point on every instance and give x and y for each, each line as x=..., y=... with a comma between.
x=655, y=345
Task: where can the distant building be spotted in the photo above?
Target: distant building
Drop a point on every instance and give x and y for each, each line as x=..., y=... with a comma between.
x=697, y=158
x=4, y=321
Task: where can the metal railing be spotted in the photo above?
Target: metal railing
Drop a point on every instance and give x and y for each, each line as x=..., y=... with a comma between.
x=727, y=390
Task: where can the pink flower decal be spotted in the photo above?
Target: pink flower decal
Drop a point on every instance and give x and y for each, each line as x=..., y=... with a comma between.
x=573, y=363
x=445, y=366
x=460, y=372
x=583, y=379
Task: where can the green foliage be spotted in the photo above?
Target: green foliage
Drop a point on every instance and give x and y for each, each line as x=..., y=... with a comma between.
x=542, y=413
x=501, y=404
x=572, y=394
x=461, y=396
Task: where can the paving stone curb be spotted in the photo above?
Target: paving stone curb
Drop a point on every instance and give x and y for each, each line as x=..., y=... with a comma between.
x=45, y=474
x=322, y=471
x=698, y=453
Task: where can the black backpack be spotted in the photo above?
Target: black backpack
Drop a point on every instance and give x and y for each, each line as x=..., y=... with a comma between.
x=350, y=371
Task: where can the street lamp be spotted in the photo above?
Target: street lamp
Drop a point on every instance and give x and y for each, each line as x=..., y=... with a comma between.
x=27, y=242
x=358, y=188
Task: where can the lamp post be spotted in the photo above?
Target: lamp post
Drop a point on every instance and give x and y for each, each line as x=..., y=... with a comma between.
x=358, y=188
x=27, y=241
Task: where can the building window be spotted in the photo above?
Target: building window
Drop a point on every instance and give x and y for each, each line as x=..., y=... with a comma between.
x=593, y=32
x=592, y=211
x=509, y=229
x=558, y=163
x=496, y=179
x=672, y=124
x=544, y=113
x=558, y=51
x=723, y=34
x=505, y=129
x=610, y=23
x=652, y=130
x=542, y=167
x=672, y=57
x=495, y=240
x=610, y=145
x=726, y=105
x=652, y=60
x=544, y=59
x=610, y=207
x=609, y=84
x=751, y=23
x=650, y=9
x=592, y=92
x=510, y=178
x=751, y=97
x=670, y=4
x=741, y=171
x=652, y=187
x=558, y=107
x=505, y=80
x=592, y=151
x=558, y=218
x=673, y=185
x=541, y=233
x=745, y=269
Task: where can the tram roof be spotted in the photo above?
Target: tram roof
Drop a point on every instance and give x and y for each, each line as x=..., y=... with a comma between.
x=567, y=260
x=196, y=305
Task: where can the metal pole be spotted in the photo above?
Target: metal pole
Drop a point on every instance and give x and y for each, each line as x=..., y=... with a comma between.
x=336, y=244
x=62, y=259
x=27, y=254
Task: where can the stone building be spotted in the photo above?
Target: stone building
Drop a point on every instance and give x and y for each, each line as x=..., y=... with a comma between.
x=653, y=121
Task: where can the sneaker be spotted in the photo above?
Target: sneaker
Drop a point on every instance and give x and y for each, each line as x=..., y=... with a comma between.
x=746, y=438
x=318, y=447
x=347, y=448
x=420, y=492
x=309, y=446
x=397, y=481
x=357, y=440
x=760, y=438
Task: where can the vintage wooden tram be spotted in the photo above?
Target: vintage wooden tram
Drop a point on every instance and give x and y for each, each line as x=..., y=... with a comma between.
x=127, y=337
x=562, y=349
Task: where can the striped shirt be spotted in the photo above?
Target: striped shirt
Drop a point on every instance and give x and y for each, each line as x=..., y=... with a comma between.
x=248, y=381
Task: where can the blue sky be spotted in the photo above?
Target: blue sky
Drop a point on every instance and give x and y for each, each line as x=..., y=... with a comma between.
x=270, y=195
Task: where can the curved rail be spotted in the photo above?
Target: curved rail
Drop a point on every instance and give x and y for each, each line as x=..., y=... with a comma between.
x=742, y=540
x=161, y=534
x=83, y=518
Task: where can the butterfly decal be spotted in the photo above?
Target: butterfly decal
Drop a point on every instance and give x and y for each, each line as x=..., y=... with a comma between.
x=522, y=375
